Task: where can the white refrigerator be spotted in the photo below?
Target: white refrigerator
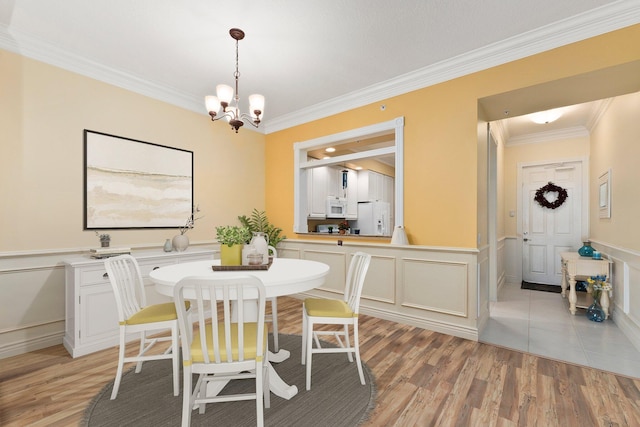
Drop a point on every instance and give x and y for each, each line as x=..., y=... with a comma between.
x=373, y=219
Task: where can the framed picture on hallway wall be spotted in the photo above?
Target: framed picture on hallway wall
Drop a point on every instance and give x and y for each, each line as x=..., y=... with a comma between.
x=131, y=184
x=604, y=194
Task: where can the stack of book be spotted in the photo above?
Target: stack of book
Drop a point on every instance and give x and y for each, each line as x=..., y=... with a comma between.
x=109, y=252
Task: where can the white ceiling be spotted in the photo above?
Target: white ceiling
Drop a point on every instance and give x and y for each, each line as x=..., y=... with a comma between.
x=309, y=58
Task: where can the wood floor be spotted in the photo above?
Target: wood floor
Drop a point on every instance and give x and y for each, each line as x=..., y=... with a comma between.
x=423, y=378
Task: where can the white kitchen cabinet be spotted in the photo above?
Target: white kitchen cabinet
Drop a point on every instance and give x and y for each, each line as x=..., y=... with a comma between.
x=317, y=192
x=370, y=186
x=352, y=195
x=91, y=319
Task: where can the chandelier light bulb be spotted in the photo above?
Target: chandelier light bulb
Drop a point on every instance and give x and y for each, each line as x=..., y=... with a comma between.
x=230, y=104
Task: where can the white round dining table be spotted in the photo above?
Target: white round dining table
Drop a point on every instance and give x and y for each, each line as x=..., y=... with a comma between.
x=285, y=276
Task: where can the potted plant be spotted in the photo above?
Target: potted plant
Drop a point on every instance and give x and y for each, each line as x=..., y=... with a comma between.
x=343, y=226
x=259, y=223
x=232, y=239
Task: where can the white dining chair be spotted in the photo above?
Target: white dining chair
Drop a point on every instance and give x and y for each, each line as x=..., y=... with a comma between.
x=273, y=317
x=322, y=311
x=135, y=316
x=228, y=344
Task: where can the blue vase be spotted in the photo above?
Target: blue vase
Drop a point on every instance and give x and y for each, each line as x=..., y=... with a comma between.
x=586, y=249
x=595, y=312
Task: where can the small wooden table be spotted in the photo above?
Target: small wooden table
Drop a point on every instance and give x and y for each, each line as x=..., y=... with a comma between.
x=576, y=267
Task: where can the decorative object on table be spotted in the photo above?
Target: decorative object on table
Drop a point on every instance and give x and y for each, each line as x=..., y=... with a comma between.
x=232, y=239
x=122, y=178
x=541, y=196
x=105, y=239
x=260, y=245
x=181, y=241
x=109, y=252
x=258, y=222
x=330, y=230
x=168, y=247
x=586, y=249
x=343, y=226
x=596, y=255
x=399, y=236
x=599, y=289
x=231, y=104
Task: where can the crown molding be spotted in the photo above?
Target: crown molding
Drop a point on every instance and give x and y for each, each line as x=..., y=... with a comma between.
x=548, y=136
x=597, y=113
x=610, y=17
x=592, y=23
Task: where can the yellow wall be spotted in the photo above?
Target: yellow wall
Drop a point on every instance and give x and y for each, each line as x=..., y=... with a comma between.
x=571, y=148
x=44, y=110
x=441, y=137
x=615, y=145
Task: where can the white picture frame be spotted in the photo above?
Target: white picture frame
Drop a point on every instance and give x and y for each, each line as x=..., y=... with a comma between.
x=604, y=194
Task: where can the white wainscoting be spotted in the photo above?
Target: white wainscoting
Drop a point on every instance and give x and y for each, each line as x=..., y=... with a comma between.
x=32, y=298
x=626, y=289
x=430, y=287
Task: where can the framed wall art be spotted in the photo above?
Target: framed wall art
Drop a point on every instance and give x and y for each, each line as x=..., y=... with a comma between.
x=135, y=184
x=604, y=194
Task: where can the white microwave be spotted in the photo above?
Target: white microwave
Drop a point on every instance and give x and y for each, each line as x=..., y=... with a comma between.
x=336, y=207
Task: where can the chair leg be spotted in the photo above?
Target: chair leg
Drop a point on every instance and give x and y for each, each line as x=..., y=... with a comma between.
x=274, y=321
x=309, y=345
x=143, y=338
x=121, y=351
x=175, y=353
x=348, y=342
x=187, y=398
x=259, y=395
x=265, y=385
x=356, y=345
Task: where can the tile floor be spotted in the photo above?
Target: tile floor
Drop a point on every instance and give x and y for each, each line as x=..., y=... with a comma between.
x=540, y=323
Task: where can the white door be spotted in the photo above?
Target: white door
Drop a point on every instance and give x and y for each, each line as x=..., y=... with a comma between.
x=546, y=232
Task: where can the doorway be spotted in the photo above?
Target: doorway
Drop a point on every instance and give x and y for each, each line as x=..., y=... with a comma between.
x=545, y=231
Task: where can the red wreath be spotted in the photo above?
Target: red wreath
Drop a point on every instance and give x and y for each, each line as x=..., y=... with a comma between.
x=551, y=188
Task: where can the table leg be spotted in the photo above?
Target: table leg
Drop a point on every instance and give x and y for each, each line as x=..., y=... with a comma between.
x=563, y=282
x=573, y=297
x=604, y=303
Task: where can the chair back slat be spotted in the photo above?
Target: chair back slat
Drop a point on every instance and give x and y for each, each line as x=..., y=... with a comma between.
x=355, y=279
x=128, y=287
x=222, y=317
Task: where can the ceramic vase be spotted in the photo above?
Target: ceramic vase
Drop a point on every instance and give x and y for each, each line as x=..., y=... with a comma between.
x=231, y=255
x=168, y=247
x=586, y=249
x=180, y=242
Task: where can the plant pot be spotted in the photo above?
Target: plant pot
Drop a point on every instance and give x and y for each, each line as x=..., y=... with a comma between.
x=180, y=242
x=231, y=255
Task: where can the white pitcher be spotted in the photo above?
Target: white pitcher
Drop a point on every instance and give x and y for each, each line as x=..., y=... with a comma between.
x=260, y=242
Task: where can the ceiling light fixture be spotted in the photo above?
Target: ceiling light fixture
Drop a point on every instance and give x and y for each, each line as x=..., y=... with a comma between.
x=330, y=149
x=548, y=116
x=224, y=98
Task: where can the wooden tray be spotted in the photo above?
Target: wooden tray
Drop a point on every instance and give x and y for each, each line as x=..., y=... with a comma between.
x=242, y=267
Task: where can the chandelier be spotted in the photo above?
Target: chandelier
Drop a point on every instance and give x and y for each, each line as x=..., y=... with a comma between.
x=229, y=103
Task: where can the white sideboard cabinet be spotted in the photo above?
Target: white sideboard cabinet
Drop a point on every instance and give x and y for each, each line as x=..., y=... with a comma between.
x=91, y=319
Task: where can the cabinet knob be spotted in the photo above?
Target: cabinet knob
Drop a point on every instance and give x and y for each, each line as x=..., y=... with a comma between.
x=105, y=276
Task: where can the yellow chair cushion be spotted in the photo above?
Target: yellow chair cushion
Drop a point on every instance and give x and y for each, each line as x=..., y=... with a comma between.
x=321, y=307
x=155, y=313
x=250, y=332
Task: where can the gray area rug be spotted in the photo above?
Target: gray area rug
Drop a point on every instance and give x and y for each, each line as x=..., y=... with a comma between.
x=336, y=397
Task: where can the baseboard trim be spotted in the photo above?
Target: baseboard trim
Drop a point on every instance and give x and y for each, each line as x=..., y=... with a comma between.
x=33, y=344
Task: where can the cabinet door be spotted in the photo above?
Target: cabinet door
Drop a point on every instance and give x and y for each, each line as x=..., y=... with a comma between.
x=317, y=195
x=98, y=313
x=352, y=195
